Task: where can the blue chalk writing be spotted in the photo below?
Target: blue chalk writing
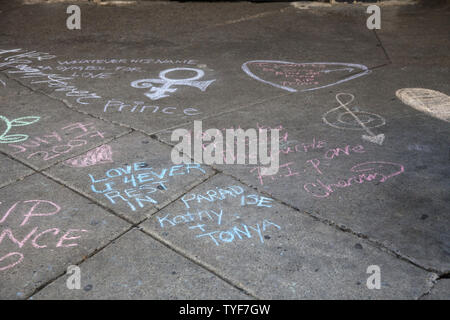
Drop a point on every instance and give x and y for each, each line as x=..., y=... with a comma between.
x=134, y=184
x=212, y=195
x=172, y=220
x=230, y=235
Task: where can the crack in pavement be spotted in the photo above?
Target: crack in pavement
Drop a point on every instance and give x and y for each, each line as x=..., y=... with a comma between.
x=152, y=135
x=252, y=17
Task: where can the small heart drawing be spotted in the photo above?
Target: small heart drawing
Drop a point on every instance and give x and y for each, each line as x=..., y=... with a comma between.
x=432, y=102
x=100, y=155
x=293, y=77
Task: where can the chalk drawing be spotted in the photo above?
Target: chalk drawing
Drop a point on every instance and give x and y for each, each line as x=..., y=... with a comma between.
x=201, y=220
x=100, y=155
x=379, y=171
x=6, y=267
x=76, y=68
x=231, y=234
x=92, y=75
x=135, y=185
x=285, y=171
x=342, y=117
x=432, y=102
x=212, y=195
x=55, y=143
x=419, y=147
x=301, y=74
x=217, y=226
x=37, y=234
x=123, y=61
x=21, y=64
x=167, y=84
x=118, y=106
x=13, y=138
x=3, y=83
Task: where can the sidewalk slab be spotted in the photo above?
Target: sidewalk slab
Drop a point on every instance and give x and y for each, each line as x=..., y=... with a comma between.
x=11, y=170
x=408, y=210
x=276, y=252
x=43, y=131
x=117, y=84
x=136, y=266
x=216, y=48
x=364, y=177
x=10, y=89
x=139, y=179
x=44, y=229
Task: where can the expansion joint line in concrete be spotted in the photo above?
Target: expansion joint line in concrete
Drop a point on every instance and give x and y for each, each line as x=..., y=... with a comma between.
x=434, y=281
x=337, y=226
x=382, y=46
x=202, y=264
x=377, y=244
x=131, y=226
x=160, y=240
x=317, y=217
x=65, y=102
x=345, y=229
x=88, y=256
x=75, y=109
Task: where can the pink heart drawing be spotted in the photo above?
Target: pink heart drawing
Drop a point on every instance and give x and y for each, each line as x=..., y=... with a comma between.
x=102, y=154
x=293, y=77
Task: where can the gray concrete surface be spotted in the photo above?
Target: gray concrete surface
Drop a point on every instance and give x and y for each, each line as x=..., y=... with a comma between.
x=413, y=140
x=276, y=252
x=63, y=229
x=439, y=291
x=138, y=267
x=87, y=176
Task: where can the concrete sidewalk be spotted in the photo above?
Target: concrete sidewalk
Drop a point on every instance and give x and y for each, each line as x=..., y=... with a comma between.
x=85, y=151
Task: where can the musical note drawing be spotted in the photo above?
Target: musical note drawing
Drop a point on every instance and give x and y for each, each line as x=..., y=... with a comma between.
x=167, y=84
x=342, y=117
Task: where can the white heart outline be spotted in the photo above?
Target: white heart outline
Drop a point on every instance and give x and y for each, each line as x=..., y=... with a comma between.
x=362, y=67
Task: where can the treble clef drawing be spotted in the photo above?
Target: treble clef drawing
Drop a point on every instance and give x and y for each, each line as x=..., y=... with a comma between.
x=167, y=84
x=342, y=117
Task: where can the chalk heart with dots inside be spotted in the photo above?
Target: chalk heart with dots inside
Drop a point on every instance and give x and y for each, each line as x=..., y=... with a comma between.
x=300, y=77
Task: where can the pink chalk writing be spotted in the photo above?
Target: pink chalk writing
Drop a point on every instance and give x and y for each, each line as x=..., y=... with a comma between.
x=325, y=156
x=56, y=143
x=285, y=171
x=379, y=171
x=11, y=265
x=99, y=155
x=38, y=239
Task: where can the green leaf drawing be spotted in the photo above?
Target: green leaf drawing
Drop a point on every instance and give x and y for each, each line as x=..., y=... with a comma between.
x=13, y=138
x=24, y=121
